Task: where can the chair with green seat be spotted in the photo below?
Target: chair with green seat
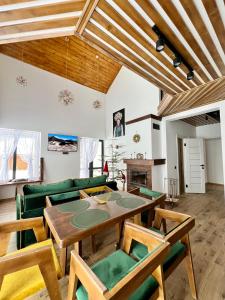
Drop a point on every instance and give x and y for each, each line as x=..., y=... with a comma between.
x=178, y=237
x=119, y=276
x=28, y=270
x=147, y=216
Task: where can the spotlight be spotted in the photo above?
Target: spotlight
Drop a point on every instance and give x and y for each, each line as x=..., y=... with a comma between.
x=190, y=75
x=160, y=45
x=176, y=61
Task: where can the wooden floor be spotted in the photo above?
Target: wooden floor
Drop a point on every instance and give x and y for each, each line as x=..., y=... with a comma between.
x=207, y=241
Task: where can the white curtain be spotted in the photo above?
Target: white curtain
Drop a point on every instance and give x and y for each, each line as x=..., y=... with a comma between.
x=29, y=150
x=8, y=142
x=88, y=151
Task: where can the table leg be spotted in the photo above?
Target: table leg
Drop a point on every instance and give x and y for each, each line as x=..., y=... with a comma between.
x=162, y=205
x=119, y=234
x=62, y=260
x=137, y=219
x=78, y=247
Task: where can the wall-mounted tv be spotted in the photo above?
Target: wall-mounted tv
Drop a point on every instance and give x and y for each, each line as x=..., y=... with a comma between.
x=62, y=143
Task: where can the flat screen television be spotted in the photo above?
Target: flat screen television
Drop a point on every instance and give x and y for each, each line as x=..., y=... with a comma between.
x=62, y=143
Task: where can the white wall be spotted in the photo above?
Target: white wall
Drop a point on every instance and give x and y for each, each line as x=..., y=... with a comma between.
x=214, y=161
x=36, y=107
x=139, y=98
x=175, y=129
x=192, y=112
x=209, y=131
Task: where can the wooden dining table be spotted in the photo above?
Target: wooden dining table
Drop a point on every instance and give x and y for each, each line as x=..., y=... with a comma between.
x=72, y=222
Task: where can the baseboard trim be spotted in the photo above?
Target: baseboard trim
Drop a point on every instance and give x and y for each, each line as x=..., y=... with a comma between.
x=218, y=184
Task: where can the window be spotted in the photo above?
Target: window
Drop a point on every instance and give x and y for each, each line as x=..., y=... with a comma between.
x=19, y=154
x=96, y=167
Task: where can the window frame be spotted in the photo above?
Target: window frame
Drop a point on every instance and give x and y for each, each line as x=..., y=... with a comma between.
x=91, y=165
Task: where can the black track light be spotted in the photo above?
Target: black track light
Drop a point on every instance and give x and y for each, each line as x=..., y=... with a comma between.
x=176, y=61
x=190, y=75
x=160, y=44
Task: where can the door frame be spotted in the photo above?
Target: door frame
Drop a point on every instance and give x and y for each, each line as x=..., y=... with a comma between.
x=180, y=171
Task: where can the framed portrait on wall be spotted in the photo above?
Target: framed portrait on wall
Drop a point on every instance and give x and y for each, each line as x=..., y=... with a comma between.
x=119, y=123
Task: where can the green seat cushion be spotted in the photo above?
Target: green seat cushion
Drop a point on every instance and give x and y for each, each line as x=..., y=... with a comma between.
x=92, y=181
x=69, y=196
x=50, y=187
x=112, y=269
x=149, y=192
x=140, y=250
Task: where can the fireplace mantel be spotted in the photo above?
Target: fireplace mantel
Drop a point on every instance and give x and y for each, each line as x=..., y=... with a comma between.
x=144, y=162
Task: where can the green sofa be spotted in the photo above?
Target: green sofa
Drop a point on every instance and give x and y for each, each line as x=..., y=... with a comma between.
x=31, y=203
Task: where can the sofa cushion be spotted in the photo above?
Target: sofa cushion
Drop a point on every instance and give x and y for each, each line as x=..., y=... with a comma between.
x=50, y=187
x=21, y=284
x=112, y=269
x=92, y=181
x=69, y=196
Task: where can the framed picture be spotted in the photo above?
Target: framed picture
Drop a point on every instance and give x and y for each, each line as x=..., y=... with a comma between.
x=62, y=143
x=119, y=123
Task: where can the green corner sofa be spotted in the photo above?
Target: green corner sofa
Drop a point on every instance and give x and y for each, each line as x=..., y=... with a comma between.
x=32, y=202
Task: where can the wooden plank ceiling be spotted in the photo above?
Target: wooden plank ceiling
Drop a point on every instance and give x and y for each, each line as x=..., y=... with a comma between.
x=204, y=119
x=123, y=30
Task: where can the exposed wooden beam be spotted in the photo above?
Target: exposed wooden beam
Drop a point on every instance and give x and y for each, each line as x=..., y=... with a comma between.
x=126, y=63
x=168, y=32
x=144, y=25
x=123, y=38
x=216, y=20
x=86, y=15
x=38, y=35
x=129, y=55
x=200, y=26
x=23, y=15
x=7, y=30
x=176, y=18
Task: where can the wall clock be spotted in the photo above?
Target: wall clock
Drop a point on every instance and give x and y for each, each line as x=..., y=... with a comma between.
x=136, y=138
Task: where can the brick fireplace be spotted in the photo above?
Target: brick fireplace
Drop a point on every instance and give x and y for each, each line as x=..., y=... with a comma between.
x=139, y=172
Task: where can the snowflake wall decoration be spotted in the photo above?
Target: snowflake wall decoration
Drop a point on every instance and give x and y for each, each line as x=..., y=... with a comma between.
x=97, y=104
x=66, y=97
x=20, y=80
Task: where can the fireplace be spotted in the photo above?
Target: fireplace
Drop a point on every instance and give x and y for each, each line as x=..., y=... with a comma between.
x=138, y=178
x=139, y=172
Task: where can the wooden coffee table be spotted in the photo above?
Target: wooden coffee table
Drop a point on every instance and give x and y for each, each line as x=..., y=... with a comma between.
x=72, y=222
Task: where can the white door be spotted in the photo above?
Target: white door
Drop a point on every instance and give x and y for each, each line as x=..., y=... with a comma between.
x=194, y=165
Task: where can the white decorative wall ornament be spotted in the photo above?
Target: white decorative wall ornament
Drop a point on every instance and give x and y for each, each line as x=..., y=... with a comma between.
x=20, y=80
x=97, y=104
x=66, y=97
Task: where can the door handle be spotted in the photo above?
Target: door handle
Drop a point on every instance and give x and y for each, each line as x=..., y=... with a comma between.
x=203, y=167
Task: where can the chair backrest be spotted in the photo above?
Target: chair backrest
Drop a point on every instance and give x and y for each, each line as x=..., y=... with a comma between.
x=136, y=275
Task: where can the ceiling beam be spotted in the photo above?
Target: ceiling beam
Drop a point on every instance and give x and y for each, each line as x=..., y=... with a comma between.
x=86, y=15
x=110, y=41
x=150, y=10
x=126, y=62
x=216, y=20
x=124, y=39
x=196, y=19
x=25, y=15
x=178, y=21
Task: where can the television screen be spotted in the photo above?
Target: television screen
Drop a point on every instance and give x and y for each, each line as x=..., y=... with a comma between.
x=62, y=143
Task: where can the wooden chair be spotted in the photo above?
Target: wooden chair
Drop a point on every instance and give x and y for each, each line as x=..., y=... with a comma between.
x=119, y=275
x=26, y=271
x=178, y=237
